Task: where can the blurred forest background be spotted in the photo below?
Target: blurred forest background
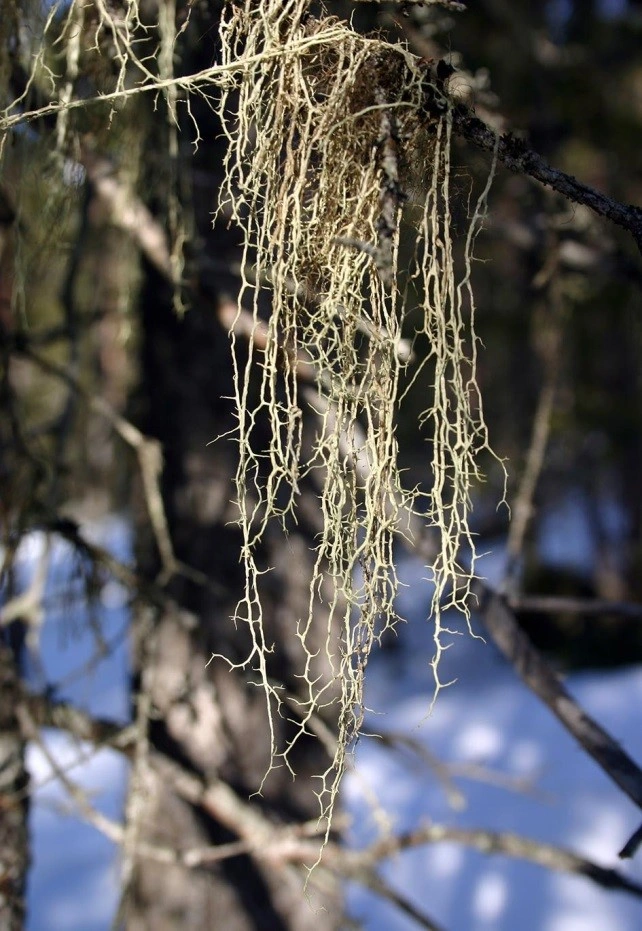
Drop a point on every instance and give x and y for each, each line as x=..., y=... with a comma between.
x=114, y=382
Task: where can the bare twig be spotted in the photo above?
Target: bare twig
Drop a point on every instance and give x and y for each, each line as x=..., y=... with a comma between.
x=446, y=773
x=44, y=712
x=455, y=797
x=28, y=605
x=147, y=450
x=550, y=351
x=152, y=592
x=105, y=825
x=632, y=845
x=558, y=604
x=129, y=213
x=507, y=844
x=373, y=881
x=526, y=785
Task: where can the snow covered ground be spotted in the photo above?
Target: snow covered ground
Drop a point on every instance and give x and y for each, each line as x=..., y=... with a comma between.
x=487, y=718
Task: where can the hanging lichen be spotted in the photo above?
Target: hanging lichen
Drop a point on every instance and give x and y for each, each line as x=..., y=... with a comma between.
x=325, y=129
x=329, y=132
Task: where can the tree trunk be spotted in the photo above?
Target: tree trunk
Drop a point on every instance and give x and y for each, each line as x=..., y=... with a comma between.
x=211, y=718
x=14, y=802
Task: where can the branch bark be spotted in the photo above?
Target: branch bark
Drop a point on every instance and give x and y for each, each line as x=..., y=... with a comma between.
x=14, y=799
x=518, y=157
x=539, y=676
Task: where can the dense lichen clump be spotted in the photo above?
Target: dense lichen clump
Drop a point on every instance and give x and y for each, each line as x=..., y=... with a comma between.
x=330, y=134
x=327, y=130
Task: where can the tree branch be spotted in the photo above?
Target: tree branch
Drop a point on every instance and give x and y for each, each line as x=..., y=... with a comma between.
x=566, y=604
x=541, y=679
x=265, y=840
x=516, y=155
x=507, y=844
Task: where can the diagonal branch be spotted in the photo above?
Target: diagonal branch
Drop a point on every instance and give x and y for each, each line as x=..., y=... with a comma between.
x=518, y=157
x=567, y=604
x=372, y=880
x=504, y=844
x=537, y=673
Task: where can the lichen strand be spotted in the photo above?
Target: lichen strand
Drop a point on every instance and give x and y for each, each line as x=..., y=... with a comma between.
x=323, y=126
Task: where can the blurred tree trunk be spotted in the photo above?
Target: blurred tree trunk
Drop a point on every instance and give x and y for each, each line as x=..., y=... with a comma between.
x=209, y=718
x=15, y=481
x=14, y=803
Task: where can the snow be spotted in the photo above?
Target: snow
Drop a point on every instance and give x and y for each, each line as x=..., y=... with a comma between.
x=74, y=881
x=536, y=781
x=488, y=719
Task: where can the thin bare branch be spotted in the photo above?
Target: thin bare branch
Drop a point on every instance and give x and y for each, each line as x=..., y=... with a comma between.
x=446, y=773
x=507, y=844
x=28, y=605
x=129, y=213
x=373, y=881
x=394, y=739
x=44, y=712
x=560, y=604
x=147, y=450
x=550, y=352
x=105, y=825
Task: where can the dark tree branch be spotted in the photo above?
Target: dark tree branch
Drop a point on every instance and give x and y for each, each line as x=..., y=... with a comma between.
x=516, y=155
x=632, y=844
x=14, y=799
x=84, y=726
x=373, y=881
x=562, y=604
x=541, y=679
